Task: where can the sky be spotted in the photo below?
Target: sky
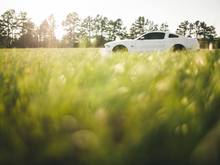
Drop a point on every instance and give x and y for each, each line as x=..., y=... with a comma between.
x=171, y=11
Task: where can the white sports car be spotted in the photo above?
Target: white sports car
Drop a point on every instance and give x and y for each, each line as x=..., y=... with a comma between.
x=154, y=41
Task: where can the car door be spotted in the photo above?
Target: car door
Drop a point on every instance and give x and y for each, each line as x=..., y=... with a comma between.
x=154, y=41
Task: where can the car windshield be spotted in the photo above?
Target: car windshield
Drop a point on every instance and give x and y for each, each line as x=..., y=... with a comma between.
x=152, y=36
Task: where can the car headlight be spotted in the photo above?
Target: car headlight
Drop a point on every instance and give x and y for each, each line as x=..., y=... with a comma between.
x=107, y=46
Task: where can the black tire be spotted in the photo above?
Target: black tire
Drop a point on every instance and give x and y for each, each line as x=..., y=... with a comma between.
x=178, y=48
x=120, y=48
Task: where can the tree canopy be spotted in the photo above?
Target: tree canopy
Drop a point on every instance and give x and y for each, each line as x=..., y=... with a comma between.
x=18, y=30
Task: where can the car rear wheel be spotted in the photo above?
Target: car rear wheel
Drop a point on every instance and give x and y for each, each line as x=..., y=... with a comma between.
x=120, y=48
x=178, y=47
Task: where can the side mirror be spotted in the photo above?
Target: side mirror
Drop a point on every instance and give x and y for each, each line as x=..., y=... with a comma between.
x=141, y=38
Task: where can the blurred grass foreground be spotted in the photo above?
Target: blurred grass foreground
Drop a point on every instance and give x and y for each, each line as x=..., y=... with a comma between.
x=74, y=106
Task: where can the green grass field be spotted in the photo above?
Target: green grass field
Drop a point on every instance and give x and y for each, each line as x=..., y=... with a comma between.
x=74, y=106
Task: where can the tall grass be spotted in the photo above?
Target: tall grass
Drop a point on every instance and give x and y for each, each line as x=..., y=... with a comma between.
x=74, y=106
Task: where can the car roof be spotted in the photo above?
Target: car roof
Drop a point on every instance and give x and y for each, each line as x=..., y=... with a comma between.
x=157, y=32
x=167, y=32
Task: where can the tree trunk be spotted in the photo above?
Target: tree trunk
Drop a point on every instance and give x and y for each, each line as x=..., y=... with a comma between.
x=210, y=46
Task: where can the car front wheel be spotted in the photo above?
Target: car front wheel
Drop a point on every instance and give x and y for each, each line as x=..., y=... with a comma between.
x=119, y=48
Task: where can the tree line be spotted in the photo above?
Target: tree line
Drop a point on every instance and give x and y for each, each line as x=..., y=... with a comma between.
x=18, y=30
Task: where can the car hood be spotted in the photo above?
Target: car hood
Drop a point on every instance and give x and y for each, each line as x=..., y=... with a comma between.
x=118, y=42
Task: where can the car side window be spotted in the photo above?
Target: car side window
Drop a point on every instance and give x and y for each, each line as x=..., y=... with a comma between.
x=173, y=36
x=154, y=36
